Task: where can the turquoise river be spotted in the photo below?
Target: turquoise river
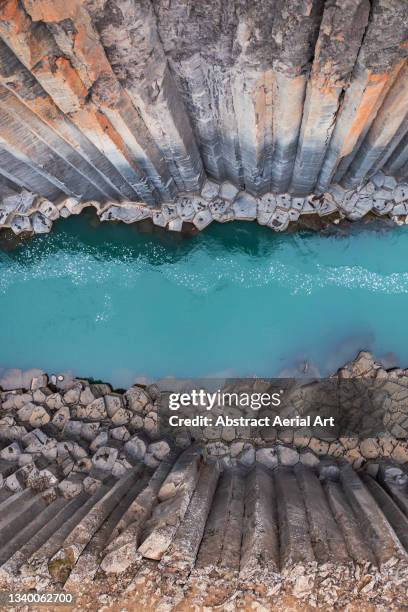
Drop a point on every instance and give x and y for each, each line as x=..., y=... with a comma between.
x=118, y=303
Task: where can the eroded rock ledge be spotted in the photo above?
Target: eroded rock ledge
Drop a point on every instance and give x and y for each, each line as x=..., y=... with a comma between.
x=383, y=197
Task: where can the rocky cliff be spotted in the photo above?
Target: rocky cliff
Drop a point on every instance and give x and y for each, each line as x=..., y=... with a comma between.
x=116, y=100
x=96, y=503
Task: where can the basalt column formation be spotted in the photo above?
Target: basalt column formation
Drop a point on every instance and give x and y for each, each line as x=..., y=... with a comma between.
x=98, y=501
x=117, y=101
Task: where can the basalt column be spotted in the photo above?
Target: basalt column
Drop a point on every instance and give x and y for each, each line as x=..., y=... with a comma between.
x=122, y=101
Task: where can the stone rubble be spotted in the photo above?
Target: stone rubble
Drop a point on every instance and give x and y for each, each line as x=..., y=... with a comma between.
x=381, y=196
x=88, y=429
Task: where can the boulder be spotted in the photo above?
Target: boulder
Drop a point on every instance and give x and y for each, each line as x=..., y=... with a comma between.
x=72, y=395
x=136, y=399
x=49, y=450
x=266, y=207
x=267, y=456
x=279, y=221
x=221, y=210
x=118, y=469
x=150, y=423
x=236, y=448
x=89, y=431
x=287, y=456
x=25, y=458
x=122, y=417
x=336, y=449
x=228, y=191
x=24, y=413
x=159, y=219
x=83, y=466
x=286, y=435
x=400, y=452
x=78, y=452
x=113, y=403
x=100, y=441
x=320, y=447
x=64, y=448
x=73, y=429
x=21, y=224
x=91, y=485
x=400, y=193
x=245, y=207
x=389, y=182
x=217, y=449
x=38, y=382
x=136, y=422
x=228, y=434
x=36, y=435
x=159, y=449
x=40, y=395
x=202, y=219
x=369, y=448
x=21, y=399
x=61, y=417
x=349, y=442
x=37, y=416
x=301, y=437
x=185, y=209
x=41, y=224
x=95, y=411
x=378, y=179
x=127, y=214
x=210, y=190
x=151, y=461
x=175, y=225
x=48, y=209
x=104, y=458
x=247, y=456
x=284, y=201
x=73, y=205
x=86, y=397
x=70, y=488
x=168, y=211
x=308, y=458
x=11, y=452
x=120, y=433
x=54, y=401
x=135, y=448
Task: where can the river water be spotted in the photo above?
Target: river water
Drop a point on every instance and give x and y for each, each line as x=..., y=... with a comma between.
x=116, y=303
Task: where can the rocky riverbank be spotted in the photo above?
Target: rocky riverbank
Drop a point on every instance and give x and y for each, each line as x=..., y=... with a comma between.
x=87, y=427
x=382, y=196
x=97, y=501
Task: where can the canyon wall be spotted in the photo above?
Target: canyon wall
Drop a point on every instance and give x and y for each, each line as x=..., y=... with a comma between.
x=118, y=100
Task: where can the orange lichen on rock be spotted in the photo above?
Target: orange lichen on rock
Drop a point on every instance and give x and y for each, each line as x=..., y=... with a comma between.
x=51, y=10
x=62, y=83
x=374, y=91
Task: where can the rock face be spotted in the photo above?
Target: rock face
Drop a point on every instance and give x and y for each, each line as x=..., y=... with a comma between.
x=117, y=102
x=103, y=508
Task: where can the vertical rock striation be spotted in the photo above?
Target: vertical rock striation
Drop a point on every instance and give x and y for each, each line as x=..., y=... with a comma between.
x=116, y=100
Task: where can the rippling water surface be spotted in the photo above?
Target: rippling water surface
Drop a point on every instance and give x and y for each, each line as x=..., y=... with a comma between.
x=114, y=303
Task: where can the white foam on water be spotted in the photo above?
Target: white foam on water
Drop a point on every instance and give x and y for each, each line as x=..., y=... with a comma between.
x=200, y=270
